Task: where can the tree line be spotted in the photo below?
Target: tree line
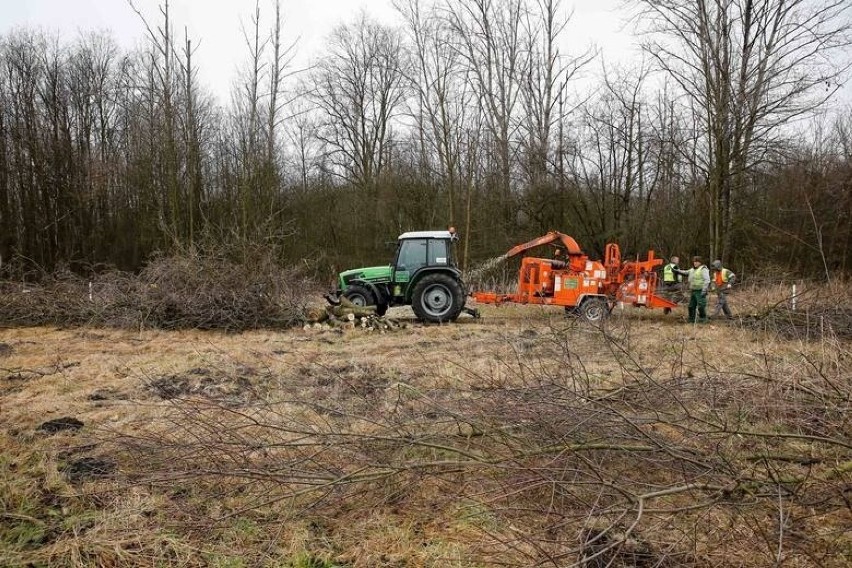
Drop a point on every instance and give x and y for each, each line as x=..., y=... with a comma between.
x=469, y=113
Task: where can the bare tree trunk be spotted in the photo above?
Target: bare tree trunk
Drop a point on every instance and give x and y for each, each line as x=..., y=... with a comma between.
x=489, y=34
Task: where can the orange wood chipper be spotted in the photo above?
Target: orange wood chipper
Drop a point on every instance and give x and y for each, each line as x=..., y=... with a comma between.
x=584, y=286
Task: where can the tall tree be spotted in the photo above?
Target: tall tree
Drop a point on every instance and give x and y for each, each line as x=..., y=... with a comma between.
x=443, y=97
x=749, y=67
x=359, y=87
x=489, y=35
x=544, y=83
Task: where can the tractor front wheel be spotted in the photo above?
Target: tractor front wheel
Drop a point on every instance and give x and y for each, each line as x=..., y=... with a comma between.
x=359, y=295
x=437, y=298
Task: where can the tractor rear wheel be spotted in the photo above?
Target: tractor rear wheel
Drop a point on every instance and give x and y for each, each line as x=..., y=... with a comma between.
x=594, y=309
x=359, y=295
x=437, y=298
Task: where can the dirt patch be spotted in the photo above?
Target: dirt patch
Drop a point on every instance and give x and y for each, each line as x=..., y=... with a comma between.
x=207, y=383
x=88, y=468
x=60, y=424
x=106, y=394
x=6, y=350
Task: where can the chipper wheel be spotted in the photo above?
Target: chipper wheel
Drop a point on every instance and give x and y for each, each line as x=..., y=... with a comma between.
x=594, y=309
x=437, y=298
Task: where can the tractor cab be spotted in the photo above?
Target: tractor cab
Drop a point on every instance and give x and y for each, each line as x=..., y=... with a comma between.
x=421, y=251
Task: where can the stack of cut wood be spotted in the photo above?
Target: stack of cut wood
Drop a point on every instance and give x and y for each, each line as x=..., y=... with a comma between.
x=347, y=315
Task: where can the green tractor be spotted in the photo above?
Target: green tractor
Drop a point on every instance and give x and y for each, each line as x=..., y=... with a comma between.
x=423, y=275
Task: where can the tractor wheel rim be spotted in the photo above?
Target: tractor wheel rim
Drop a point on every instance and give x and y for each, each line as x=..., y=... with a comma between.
x=437, y=300
x=358, y=300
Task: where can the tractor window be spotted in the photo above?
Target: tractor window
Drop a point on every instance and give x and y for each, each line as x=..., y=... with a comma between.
x=438, y=253
x=412, y=255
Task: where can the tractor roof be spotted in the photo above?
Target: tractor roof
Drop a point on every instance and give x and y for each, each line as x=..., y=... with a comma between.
x=426, y=235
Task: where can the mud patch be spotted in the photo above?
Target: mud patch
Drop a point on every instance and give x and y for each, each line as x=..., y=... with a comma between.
x=213, y=384
x=106, y=394
x=60, y=424
x=88, y=468
x=6, y=350
x=344, y=388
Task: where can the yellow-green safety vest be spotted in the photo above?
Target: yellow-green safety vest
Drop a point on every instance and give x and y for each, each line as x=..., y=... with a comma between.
x=696, y=280
x=668, y=273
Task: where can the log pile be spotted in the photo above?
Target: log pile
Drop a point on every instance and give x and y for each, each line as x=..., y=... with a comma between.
x=347, y=315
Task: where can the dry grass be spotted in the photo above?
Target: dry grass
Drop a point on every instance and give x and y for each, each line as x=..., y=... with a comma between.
x=521, y=439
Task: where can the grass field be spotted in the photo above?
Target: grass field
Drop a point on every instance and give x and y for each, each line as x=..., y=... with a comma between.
x=521, y=439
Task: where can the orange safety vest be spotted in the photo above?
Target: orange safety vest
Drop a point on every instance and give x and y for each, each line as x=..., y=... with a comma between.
x=722, y=277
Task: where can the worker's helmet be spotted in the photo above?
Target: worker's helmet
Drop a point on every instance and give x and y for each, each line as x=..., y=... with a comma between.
x=717, y=264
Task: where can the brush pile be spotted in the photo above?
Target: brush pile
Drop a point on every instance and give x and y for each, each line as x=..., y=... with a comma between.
x=179, y=292
x=816, y=313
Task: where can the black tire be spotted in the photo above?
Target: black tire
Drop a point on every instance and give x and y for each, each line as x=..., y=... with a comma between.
x=437, y=298
x=594, y=309
x=381, y=309
x=359, y=295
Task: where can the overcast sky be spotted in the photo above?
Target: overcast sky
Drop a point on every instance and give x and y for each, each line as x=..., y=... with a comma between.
x=215, y=26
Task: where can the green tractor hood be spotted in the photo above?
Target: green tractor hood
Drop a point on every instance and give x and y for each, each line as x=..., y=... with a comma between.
x=375, y=274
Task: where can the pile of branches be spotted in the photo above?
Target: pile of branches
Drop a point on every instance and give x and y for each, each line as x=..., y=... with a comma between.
x=191, y=290
x=814, y=314
x=682, y=464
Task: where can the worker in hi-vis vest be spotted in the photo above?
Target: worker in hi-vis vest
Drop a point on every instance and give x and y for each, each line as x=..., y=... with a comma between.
x=671, y=278
x=698, y=278
x=723, y=281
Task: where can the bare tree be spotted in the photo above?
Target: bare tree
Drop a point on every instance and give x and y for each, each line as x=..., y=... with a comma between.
x=444, y=97
x=303, y=143
x=489, y=35
x=173, y=126
x=547, y=73
x=749, y=67
x=610, y=162
x=360, y=85
x=282, y=58
x=256, y=115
